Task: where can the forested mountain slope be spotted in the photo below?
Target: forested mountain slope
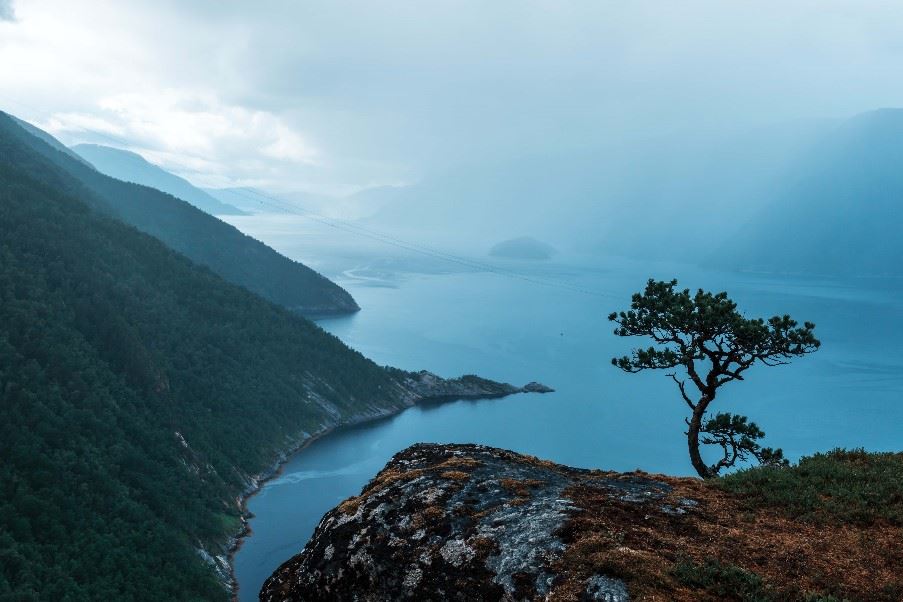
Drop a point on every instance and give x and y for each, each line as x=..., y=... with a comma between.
x=200, y=237
x=139, y=393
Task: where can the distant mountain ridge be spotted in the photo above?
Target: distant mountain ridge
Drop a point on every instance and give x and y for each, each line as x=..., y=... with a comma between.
x=643, y=199
x=201, y=237
x=131, y=167
x=839, y=211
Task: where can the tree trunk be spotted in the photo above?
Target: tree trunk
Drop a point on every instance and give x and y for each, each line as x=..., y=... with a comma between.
x=693, y=439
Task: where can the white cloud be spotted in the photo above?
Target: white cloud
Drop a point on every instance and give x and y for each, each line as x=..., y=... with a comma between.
x=192, y=133
x=80, y=123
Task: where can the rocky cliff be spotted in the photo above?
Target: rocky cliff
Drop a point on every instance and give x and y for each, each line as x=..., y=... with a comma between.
x=467, y=522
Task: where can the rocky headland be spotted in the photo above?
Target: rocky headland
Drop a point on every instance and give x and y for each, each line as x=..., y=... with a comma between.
x=469, y=522
x=413, y=388
x=425, y=386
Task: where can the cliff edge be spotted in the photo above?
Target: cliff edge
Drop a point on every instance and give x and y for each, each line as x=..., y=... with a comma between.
x=469, y=522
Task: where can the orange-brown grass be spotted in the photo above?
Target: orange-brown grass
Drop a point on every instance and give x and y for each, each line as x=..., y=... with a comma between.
x=641, y=544
x=520, y=487
x=459, y=462
x=427, y=517
x=389, y=476
x=455, y=475
x=351, y=505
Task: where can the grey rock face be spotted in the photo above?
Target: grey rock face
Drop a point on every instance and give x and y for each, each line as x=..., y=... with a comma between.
x=454, y=522
x=606, y=589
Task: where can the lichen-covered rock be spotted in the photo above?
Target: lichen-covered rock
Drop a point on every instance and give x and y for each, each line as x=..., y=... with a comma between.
x=452, y=523
x=469, y=522
x=427, y=386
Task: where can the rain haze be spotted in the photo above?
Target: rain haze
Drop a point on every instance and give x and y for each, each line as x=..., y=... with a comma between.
x=566, y=99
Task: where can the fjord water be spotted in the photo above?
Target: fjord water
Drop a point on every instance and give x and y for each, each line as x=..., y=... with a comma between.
x=551, y=326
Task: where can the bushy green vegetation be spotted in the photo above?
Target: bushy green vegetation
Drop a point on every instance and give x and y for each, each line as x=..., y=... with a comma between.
x=137, y=393
x=202, y=238
x=726, y=581
x=847, y=486
x=729, y=582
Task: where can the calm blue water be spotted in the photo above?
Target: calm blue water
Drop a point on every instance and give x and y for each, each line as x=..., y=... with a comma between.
x=848, y=394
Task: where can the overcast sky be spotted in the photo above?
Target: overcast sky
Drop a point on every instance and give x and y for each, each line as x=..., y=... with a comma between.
x=337, y=95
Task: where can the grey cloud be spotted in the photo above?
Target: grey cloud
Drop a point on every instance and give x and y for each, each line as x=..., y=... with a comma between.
x=396, y=90
x=432, y=83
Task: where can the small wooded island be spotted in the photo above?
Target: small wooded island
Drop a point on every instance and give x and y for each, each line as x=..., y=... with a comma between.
x=524, y=248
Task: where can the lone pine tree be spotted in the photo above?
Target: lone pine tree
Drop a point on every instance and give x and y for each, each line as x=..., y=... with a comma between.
x=705, y=336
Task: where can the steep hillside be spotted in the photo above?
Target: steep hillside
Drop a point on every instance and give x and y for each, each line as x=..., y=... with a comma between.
x=200, y=237
x=131, y=167
x=140, y=394
x=475, y=523
x=838, y=212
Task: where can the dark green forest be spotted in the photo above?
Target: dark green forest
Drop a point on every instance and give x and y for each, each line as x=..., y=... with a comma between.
x=138, y=392
x=202, y=238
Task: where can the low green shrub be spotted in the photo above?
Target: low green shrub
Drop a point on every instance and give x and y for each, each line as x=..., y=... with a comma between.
x=841, y=486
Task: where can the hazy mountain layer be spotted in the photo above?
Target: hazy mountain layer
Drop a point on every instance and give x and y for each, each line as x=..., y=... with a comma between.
x=839, y=210
x=672, y=197
x=201, y=237
x=131, y=167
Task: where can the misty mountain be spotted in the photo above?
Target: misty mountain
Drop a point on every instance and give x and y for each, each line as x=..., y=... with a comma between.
x=132, y=167
x=649, y=200
x=201, y=237
x=138, y=393
x=838, y=211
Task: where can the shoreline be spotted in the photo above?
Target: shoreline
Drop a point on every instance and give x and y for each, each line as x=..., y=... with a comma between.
x=261, y=479
x=235, y=543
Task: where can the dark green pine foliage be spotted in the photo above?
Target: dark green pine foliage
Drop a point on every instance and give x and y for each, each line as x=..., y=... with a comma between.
x=113, y=351
x=201, y=237
x=713, y=344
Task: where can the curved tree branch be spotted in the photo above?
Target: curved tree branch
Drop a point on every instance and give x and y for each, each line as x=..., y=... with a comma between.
x=705, y=335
